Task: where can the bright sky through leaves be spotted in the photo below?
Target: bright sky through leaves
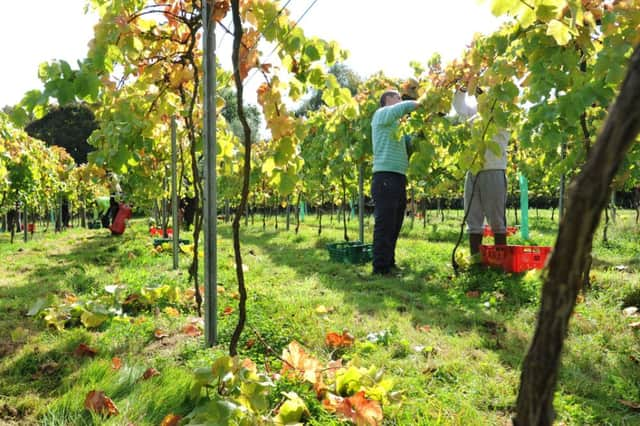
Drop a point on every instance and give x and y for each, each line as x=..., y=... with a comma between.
x=380, y=35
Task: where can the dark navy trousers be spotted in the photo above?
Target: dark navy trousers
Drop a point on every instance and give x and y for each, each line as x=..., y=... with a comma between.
x=389, y=193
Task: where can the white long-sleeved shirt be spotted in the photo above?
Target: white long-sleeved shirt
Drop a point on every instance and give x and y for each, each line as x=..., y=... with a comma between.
x=469, y=112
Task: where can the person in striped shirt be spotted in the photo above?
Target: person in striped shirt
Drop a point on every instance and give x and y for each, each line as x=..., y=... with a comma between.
x=388, y=187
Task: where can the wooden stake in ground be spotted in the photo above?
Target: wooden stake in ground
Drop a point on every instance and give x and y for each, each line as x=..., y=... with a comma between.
x=588, y=196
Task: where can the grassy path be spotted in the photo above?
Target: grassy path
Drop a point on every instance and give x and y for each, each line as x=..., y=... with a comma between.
x=451, y=345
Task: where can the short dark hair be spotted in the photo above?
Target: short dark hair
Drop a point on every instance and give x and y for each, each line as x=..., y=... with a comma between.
x=385, y=95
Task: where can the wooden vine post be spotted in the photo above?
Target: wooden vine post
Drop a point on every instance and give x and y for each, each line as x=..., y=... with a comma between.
x=588, y=196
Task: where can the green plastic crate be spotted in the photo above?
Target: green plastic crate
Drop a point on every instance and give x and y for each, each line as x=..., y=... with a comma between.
x=350, y=252
x=159, y=241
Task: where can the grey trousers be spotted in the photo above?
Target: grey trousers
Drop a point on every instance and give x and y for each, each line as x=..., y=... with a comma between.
x=489, y=201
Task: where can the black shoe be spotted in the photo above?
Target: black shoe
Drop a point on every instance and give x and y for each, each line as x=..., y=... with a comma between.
x=475, y=268
x=381, y=272
x=365, y=277
x=391, y=272
x=394, y=269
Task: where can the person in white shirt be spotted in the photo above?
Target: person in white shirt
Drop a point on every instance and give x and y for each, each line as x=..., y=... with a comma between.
x=485, y=193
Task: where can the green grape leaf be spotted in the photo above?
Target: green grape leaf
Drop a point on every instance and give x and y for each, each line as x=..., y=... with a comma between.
x=559, y=31
x=37, y=306
x=500, y=7
x=91, y=320
x=349, y=381
x=292, y=410
x=222, y=367
x=313, y=52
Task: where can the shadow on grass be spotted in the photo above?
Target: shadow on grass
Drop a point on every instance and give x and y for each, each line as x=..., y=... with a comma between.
x=65, y=272
x=430, y=293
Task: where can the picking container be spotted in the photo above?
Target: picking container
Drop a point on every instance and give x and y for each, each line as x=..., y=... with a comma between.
x=350, y=252
x=515, y=258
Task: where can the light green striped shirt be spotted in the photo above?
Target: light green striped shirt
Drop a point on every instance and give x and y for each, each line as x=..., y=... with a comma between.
x=389, y=153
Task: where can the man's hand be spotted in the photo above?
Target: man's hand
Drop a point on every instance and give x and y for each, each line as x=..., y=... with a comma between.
x=422, y=100
x=410, y=89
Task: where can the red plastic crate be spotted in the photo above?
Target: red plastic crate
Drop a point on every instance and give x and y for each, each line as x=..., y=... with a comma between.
x=488, y=232
x=515, y=258
x=153, y=231
x=31, y=227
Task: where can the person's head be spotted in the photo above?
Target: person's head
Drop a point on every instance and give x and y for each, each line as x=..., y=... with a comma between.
x=390, y=97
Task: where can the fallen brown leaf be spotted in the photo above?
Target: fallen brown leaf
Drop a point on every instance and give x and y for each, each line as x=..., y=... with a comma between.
x=98, y=402
x=335, y=340
x=116, y=363
x=171, y=420
x=49, y=367
x=84, y=350
x=149, y=373
x=160, y=334
x=633, y=405
x=192, y=330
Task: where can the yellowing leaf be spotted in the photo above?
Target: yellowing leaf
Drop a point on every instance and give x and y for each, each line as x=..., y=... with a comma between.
x=500, y=7
x=292, y=410
x=559, y=31
x=70, y=298
x=172, y=312
x=321, y=309
x=91, y=320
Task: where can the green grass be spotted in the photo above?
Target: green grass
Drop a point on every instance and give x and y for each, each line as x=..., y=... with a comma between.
x=463, y=371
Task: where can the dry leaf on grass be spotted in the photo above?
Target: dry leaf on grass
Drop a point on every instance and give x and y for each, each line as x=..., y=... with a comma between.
x=84, y=350
x=149, y=373
x=98, y=402
x=335, y=340
x=171, y=420
x=116, y=363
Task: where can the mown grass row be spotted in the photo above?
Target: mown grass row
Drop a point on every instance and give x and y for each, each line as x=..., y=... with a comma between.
x=453, y=345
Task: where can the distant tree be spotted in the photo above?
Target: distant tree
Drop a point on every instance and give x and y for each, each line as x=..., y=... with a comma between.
x=346, y=78
x=230, y=113
x=67, y=127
